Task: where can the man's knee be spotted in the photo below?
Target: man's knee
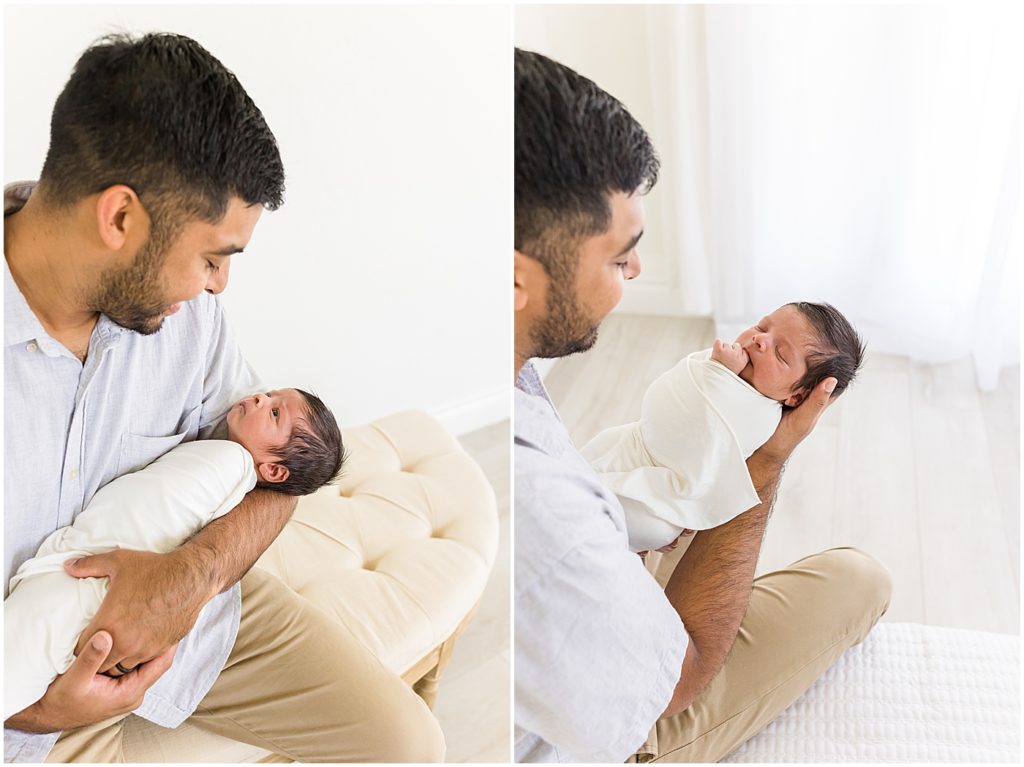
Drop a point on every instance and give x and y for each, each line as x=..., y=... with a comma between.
x=409, y=733
x=863, y=577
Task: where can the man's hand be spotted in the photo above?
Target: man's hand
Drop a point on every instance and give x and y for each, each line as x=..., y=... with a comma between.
x=82, y=696
x=155, y=599
x=733, y=356
x=797, y=423
x=152, y=602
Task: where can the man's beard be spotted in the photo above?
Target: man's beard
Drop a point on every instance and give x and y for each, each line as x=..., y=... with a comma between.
x=133, y=297
x=565, y=329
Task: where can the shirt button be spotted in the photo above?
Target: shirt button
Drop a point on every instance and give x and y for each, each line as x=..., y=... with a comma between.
x=32, y=346
x=73, y=475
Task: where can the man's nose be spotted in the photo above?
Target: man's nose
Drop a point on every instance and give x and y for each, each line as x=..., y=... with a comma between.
x=218, y=280
x=632, y=265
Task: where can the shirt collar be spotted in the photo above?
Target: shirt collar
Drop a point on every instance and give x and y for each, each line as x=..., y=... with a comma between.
x=537, y=422
x=529, y=382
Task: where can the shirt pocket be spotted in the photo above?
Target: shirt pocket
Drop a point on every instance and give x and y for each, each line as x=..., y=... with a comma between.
x=138, y=451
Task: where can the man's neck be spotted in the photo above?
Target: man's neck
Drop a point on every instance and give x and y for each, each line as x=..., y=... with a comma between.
x=519, y=362
x=522, y=345
x=46, y=267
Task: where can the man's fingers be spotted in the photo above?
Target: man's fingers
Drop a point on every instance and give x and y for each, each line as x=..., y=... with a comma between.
x=152, y=670
x=815, y=405
x=824, y=391
x=96, y=566
x=92, y=656
x=111, y=663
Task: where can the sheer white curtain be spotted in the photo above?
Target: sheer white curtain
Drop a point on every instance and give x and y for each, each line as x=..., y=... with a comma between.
x=868, y=156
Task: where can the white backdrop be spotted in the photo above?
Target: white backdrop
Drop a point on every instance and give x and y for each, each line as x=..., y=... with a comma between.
x=862, y=155
x=382, y=282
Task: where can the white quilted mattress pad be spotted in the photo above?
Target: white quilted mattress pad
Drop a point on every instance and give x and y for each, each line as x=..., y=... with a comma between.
x=908, y=693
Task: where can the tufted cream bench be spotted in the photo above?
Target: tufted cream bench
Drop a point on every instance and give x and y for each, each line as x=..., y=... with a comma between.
x=399, y=551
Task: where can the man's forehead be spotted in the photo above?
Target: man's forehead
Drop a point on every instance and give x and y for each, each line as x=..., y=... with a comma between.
x=233, y=230
x=627, y=211
x=626, y=225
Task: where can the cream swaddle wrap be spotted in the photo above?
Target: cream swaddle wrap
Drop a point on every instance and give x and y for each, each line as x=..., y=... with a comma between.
x=683, y=464
x=153, y=509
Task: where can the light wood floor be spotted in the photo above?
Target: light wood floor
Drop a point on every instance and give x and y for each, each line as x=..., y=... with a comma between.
x=912, y=464
x=473, y=702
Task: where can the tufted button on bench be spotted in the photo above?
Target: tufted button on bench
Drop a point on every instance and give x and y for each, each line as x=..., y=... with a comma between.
x=399, y=551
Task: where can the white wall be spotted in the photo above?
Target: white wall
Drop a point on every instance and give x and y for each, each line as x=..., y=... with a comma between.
x=382, y=283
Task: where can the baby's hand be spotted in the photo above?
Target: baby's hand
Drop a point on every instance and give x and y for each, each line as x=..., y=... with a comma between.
x=731, y=355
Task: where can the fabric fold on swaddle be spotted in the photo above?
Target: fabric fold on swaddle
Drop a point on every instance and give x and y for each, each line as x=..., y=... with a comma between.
x=683, y=464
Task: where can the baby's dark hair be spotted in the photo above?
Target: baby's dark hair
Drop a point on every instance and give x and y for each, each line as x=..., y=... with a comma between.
x=314, y=455
x=839, y=348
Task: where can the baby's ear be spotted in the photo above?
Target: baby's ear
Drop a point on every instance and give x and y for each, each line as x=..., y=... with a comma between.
x=794, y=399
x=273, y=473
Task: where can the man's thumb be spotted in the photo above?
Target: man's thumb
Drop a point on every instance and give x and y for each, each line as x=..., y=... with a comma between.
x=95, y=651
x=85, y=567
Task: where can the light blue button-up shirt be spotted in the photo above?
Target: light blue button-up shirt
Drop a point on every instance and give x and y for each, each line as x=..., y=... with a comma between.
x=69, y=428
x=598, y=646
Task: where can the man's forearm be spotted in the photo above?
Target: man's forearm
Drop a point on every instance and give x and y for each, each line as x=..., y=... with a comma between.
x=710, y=587
x=226, y=548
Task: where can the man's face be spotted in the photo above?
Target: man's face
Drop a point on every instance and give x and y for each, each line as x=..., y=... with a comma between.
x=162, y=276
x=263, y=423
x=576, y=303
x=778, y=347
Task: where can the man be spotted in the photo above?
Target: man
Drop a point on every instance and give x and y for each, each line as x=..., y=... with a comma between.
x=116, y=350
x=608, y=666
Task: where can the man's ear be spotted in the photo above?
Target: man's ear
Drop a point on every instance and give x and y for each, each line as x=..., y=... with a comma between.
x=521, y=280
x=121, y=219
x=794, y=399
x=273, y=473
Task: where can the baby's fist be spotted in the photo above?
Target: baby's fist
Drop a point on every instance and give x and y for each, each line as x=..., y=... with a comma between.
x=731, y=355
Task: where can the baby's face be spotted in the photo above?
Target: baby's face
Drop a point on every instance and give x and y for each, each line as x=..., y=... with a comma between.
x=778, y=346
x=263, y=422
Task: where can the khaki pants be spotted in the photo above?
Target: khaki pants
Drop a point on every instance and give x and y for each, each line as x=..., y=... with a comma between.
x=800, y=620
x=296, y=683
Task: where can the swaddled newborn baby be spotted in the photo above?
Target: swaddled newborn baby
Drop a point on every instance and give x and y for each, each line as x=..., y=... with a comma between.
x=682, y=466
x=285, y=440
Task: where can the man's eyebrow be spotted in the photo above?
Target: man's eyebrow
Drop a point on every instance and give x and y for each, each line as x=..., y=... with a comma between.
x=631, y=244
x=227, y=250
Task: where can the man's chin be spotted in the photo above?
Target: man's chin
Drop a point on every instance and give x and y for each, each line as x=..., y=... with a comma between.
x=582, y=344
x=144, y=326
x=548, y=348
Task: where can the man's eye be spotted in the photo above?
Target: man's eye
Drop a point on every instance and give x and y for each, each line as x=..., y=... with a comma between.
x=212, y=266
x=273, y=412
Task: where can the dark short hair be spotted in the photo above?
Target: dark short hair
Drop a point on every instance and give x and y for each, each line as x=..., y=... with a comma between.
x=839, y=348
x=314, y=454
x=163, y=116
x=575, y=145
